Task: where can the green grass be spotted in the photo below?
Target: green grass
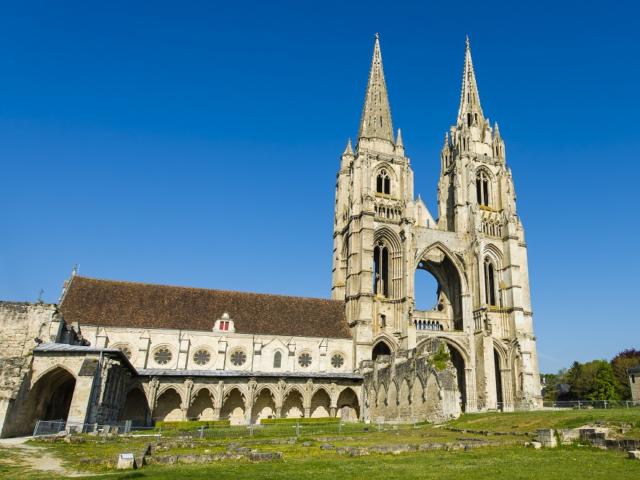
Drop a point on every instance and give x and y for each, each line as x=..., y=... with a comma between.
x=531, y=421
x=515, y=463
x=305, y=457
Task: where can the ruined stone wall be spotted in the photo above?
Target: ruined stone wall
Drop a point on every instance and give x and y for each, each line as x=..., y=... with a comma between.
x=634, y=383
x=20, y=324
x=411, y=388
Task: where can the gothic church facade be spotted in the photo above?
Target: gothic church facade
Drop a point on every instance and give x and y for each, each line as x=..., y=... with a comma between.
x=114, y=351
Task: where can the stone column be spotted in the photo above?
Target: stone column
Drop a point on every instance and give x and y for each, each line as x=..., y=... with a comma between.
x=507, y=390
x=188, y=389
x=470, y=386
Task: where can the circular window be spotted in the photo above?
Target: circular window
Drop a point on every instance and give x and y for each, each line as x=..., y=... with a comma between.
x=202, y=357
x=162, y=356
x=238, y=358
x=337, y=360
x=124, y=349
x=304, y=360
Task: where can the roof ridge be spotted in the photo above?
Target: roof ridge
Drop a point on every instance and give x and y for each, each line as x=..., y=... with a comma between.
x=128, y=282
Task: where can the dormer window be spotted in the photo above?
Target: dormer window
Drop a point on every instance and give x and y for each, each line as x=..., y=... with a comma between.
x=224, y=324
x=383, y=182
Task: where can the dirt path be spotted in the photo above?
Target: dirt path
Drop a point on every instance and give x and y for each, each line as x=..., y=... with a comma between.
x=37, y=458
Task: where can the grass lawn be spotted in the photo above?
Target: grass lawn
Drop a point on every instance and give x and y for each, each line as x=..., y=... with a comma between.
x=531, y=421
x=304, y=457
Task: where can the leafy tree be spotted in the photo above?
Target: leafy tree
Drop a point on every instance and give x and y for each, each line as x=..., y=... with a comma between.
x=605, y=384
x=620, y=363
x=550, y=390
x=590, y=381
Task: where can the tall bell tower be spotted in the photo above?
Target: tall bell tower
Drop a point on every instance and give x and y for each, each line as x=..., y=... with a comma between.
x=373, y=210
x=477, y=201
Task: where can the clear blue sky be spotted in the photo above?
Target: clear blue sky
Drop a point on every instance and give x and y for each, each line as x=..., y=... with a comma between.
x=196, y=143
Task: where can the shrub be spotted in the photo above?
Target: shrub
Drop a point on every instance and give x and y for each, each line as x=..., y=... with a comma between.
x=293, y=421
x=191, y=424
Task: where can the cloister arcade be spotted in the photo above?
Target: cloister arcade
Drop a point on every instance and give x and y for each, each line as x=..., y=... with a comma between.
x=243, y=403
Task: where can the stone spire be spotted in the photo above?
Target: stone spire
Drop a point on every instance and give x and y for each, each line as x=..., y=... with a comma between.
x=376, y=114
x=348, y=150
x=469, y=97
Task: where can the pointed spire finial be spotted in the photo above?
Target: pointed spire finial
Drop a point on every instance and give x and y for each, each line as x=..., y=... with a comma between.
x=376, y=114
x=470, y=111
x=399, y=139
x=496, y=131
x=348, y=150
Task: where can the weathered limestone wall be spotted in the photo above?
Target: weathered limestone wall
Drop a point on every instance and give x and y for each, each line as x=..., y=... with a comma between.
x=20, y=324
x=411, y=389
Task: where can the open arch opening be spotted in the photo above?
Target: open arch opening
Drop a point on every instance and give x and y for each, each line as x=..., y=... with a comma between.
x=320, y=404
x=51, y=396
x=233, y=408
x=168, y=407
x=446, y=312
x=348, y=406
x=426, y=290
x=379, y=349
x=293, y=406
x=458, y=362
x=202, y=406
x=264, y=407
x=136, y=408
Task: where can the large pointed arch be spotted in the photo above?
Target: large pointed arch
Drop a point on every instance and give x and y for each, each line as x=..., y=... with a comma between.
x=457, y=263
x=461, y=360
x=448, y=313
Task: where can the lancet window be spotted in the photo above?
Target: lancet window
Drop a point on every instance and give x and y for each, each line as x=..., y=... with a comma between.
x=489, y=283
x=381, y=270
x=482, y=188
x=383, y=182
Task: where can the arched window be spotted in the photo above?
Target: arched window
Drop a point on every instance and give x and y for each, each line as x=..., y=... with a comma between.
x=380, y=348
x=277, y=360
x=489, y=283
x=381, y=270
x=383, y=182
x=482, y=188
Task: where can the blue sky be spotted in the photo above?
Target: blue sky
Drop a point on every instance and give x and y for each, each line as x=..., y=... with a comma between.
x=196, y=143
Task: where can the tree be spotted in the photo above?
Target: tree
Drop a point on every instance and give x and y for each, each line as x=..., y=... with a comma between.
x=591, y=381
x=620, y=363
x=604, y=385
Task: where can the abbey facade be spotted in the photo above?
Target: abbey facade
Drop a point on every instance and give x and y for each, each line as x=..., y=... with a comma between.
x=114, y=351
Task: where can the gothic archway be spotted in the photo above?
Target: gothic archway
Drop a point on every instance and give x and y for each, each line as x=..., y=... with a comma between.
x=168, y=406
x=320, y=404
x=380, y=348
x=136, y=408
x=293, y=405
x=201, y=407
x=50, y=397
x=233, y=407
x=348, y=405
x=264, y=406
x=448, y=300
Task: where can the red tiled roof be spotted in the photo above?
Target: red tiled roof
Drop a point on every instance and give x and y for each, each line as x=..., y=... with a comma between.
x=110, y=303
